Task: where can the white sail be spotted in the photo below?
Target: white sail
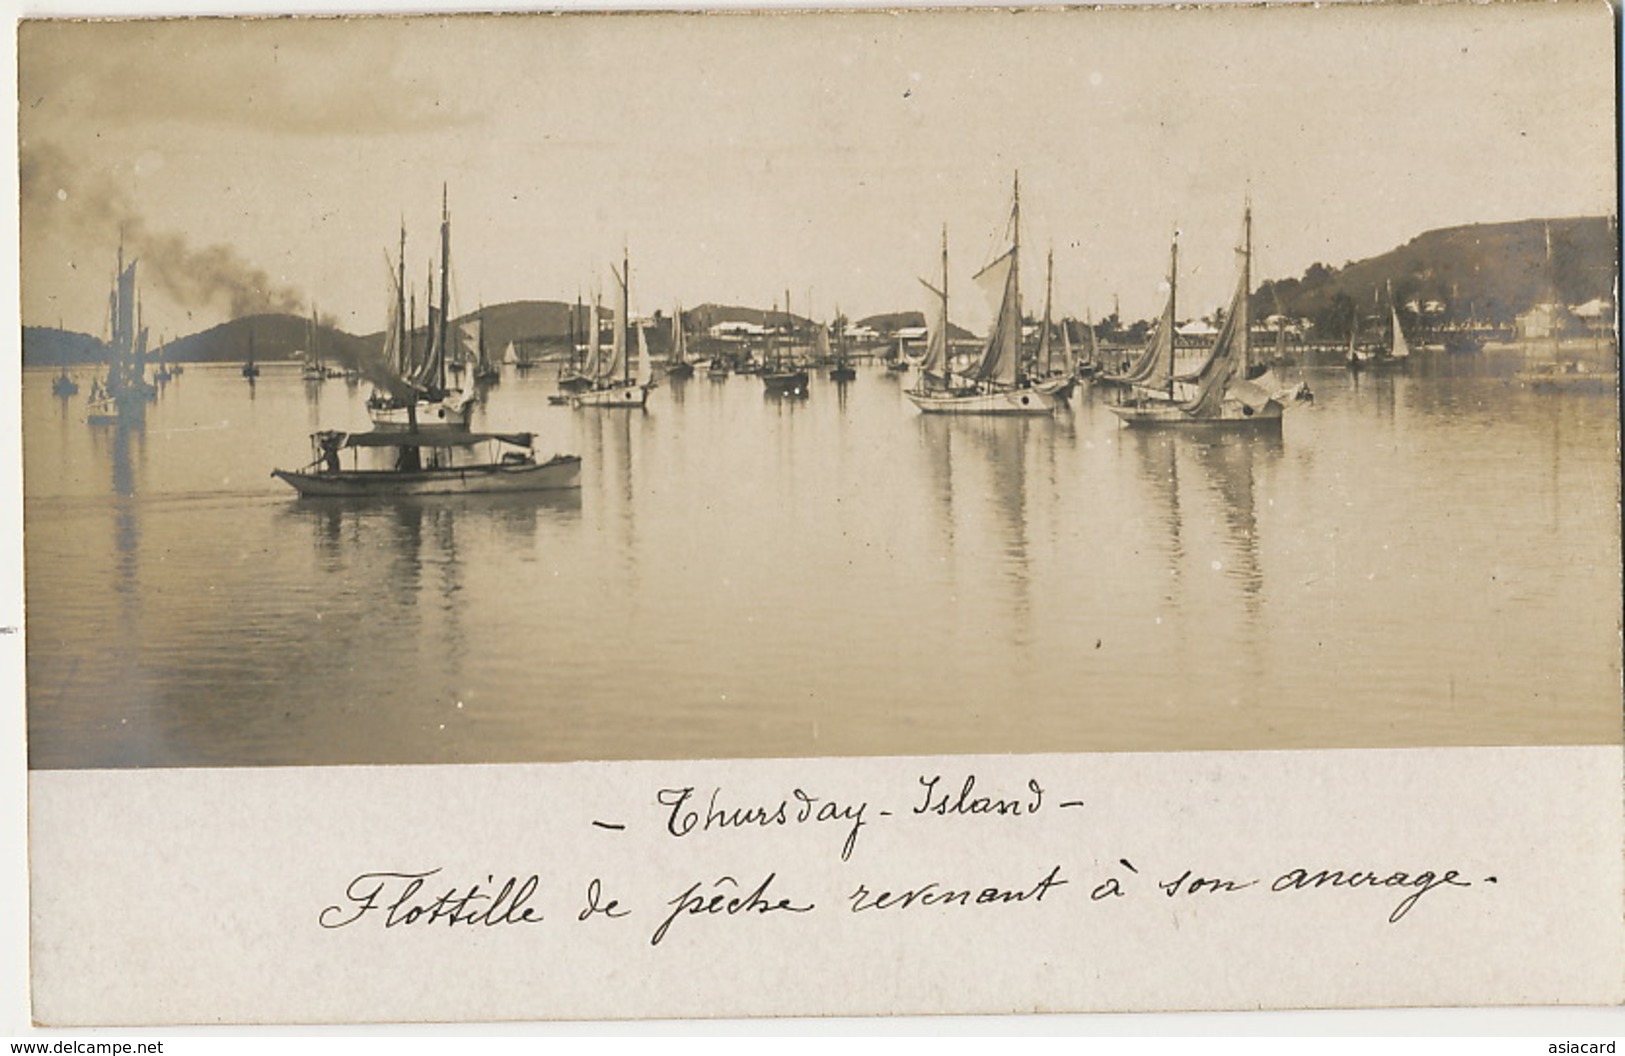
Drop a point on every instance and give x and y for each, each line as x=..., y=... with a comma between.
x=679, y=339
x=469, y=335
x=590, y=368
x=646, y=370
x=615, y=368
x=1401, y=349
x=509, y=355
x=938, y=362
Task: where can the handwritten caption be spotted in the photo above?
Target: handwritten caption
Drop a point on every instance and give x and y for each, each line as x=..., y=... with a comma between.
x=424, y=898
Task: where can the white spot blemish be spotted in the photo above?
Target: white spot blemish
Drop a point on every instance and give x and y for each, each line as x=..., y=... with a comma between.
x=1095, y=79
x=61, y=194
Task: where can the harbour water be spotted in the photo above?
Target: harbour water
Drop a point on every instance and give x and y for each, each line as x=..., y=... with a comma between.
x=1427, y=558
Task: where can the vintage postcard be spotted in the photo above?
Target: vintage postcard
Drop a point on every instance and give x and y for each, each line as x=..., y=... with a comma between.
x=849, y=512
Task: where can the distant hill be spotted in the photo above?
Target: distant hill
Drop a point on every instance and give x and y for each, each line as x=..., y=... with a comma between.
x=274, y=337
x=1479, y=272
x=48, y=346
x=890, y=322
x=706, y=316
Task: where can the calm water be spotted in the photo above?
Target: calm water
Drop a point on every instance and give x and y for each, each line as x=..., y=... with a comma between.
x=1427, y=559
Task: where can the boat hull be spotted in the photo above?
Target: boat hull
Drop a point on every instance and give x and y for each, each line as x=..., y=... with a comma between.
x=793, y=382
x=1569, y=377
x=626, y=397
x=1232, y=414
x=1014, y=401
x=680, y=370
x=559, y=472
x=394, y=419
x=1058, y=386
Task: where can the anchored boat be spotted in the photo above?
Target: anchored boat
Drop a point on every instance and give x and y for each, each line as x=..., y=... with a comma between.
x=990, y=387
x=615, y=386
x=431, y=460
x=1221, y=392
x=418, y=392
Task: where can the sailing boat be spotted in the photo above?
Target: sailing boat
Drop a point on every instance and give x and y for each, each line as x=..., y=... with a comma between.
x=782, y=374
x=162, y=373
x=842, y=370
x=122, y=398
x=1399, y=350
x=613, y=385
x=475, y=353
x=991, y=386
x=1358, y=358
x=581, y=367
x=430, y=401
x=251, y=369
x=1089, y=363
x=314, y=370
x=485, y=371
x=1221, y=393
x=677, y=364
x=1047, y=377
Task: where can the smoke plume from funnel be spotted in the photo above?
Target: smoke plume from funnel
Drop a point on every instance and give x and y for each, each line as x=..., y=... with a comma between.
x=63, y=202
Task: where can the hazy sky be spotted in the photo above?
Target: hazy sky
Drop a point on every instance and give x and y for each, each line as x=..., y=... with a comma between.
x=742, y=155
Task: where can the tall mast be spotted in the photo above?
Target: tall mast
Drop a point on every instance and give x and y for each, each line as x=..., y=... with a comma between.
x=947, y=345
x=575, y=323
x=1044, y=354
x=1245, y=307
x=445, y=285
x=1015, y=259
x=626, y=314
x=1173, y=310
x=403, y=322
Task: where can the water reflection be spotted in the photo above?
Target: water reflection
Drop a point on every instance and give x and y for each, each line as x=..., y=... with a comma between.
x=1230, y=465
x=1157, y=454
x=719, y=543
x=1002, y=444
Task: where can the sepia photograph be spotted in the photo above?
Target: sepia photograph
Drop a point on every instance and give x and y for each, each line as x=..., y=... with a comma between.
x=511, y=389
x=831, y=385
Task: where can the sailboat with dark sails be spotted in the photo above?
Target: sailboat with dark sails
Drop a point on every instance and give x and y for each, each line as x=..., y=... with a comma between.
x=677, y=361
x=1058, y=379
x=1221, y=392
x=121, y=399
x=782, y=373
x=613, y=383
x=993, y=384
x=422, y=397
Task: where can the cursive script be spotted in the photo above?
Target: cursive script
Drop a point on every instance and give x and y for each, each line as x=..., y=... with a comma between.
x=696, y=904
x=802, y=807
x=946, y=803
x=399, y=897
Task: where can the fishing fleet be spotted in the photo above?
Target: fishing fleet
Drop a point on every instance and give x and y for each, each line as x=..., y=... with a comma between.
x=429, y=374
